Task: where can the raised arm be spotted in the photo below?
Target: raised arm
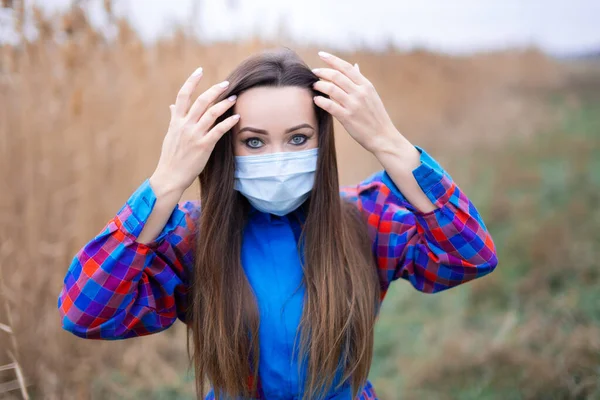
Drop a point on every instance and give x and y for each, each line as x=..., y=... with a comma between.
x=434, y=250
x=132, y=278
x=423, y=227
x=117, y=287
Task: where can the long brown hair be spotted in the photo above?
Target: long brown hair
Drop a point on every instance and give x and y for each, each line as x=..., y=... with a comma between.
x=342, y=289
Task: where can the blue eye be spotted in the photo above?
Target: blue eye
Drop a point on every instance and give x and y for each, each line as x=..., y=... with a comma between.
x=253, y=143
x=298, y=140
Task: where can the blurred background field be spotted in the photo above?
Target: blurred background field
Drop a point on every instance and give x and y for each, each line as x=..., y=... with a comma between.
x=81, y=125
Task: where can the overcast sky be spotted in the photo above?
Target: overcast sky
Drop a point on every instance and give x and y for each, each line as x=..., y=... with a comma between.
x=558, y=26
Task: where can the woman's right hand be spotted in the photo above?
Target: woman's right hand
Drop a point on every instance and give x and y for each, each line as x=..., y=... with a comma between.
x=190, y=140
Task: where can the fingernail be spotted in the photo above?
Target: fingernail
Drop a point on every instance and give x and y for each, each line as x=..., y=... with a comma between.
x=236, y=116
x=324, y=54
x=224, y=84
x=357, y=67
x=197, y=72
x=316, y=70
x=232, y=98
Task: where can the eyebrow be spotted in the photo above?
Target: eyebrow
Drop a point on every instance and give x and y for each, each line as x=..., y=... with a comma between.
x=264, y=132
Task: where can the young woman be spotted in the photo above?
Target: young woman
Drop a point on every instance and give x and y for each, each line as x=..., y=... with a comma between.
x=278, y=278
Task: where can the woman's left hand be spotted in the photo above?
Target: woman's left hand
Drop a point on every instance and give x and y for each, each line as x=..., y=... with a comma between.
x=355, y=103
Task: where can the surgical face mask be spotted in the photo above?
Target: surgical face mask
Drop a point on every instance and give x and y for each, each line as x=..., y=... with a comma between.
x=276, y=183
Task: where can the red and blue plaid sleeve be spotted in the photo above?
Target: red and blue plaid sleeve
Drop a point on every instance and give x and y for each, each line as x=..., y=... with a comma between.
x=116, y=288
x=435, y=250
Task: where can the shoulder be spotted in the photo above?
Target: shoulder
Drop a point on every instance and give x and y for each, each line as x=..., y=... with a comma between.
x=372, y=191
x=381, y=204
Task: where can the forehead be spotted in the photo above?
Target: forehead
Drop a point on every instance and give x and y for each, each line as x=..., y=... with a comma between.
x=275, y=108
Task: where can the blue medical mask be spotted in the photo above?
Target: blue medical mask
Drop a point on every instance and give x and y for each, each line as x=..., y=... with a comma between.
x=276, y=183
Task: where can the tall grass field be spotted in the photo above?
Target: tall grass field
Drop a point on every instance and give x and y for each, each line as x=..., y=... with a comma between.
x=82, y=120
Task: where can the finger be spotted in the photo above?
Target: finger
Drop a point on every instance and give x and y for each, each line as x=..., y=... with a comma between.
x=221, y=128
x=333, y=91
x=204, y=100
x=172, y=109
x=343, y=66
x=182, y=103
x=214, y=112
x=336, y=77
x=330, y=106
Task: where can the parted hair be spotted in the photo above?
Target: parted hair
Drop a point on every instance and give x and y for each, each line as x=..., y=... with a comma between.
x=342, y=288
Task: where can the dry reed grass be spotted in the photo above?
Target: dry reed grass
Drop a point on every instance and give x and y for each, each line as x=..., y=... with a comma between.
x=81, y=126
x=18, y=383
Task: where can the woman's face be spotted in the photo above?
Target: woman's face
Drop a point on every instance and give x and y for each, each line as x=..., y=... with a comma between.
x=275, y=120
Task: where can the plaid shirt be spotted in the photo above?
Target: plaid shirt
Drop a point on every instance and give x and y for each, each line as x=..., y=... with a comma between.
x=117, y=288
